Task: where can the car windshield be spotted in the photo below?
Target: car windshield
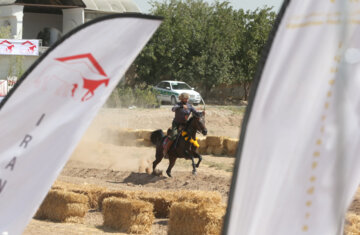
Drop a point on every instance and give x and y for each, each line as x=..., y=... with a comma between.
x=180, y=86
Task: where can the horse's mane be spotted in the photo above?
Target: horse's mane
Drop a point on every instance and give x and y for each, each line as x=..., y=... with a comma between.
x=188, y=122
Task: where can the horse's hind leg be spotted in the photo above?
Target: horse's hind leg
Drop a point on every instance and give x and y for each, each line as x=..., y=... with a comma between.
x=159, y=156
x=172, y=161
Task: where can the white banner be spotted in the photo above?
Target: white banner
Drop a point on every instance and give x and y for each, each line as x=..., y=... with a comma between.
x=48, y=111
x=300, y=164
x=3, y=87
x=19, y=47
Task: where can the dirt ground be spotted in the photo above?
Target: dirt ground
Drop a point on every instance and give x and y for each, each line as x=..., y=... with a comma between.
x=122, y=167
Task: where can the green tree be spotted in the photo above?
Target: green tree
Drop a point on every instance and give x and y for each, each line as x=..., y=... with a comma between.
x=204, y=45
x=254, y=28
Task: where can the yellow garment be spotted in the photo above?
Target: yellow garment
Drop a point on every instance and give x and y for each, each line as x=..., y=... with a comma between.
x=194, y=142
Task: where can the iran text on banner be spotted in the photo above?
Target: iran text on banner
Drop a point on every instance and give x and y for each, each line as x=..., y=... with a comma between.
x=298, y=163
x=45, y=114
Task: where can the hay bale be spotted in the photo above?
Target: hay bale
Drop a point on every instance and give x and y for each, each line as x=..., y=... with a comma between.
x=63, y=206
x=218, y=150
x=198, y=197
x=142, y=142
x=93, y=192
x=209, y=150
x=116, y=193
x=128, y=215
x=161, y=201
x=145, y=134
x=352, y=226
x=215, y=141
x=230, y=146
x=196, y=219
x=203, y=146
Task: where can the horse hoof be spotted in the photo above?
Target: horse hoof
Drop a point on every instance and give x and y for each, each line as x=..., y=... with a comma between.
x=197, y=166
x=168, y=173
x=194, y=172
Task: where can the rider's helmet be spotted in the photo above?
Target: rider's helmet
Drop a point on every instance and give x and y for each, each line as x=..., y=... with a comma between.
x=183, y=96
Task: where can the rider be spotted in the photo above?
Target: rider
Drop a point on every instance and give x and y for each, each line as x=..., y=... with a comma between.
x=182, y=112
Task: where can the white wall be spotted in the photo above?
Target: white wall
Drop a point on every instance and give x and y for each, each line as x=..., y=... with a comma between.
x=72, y=18
x=33, y=23
x=12, y=15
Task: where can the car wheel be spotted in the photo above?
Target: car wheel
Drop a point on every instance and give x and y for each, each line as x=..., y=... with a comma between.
x=173, y=100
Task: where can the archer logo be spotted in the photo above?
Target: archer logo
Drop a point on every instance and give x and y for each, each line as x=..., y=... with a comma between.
x=77, y=76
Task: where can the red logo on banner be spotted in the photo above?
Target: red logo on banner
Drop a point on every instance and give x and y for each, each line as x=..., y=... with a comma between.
x=31, y=46
x=89, y=85
x=9, y=45
x=77, y=76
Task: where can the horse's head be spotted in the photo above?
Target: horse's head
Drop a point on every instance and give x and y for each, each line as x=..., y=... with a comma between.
x=199, y=122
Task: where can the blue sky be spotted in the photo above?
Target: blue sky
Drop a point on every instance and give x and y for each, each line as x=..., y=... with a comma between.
x=237, y=4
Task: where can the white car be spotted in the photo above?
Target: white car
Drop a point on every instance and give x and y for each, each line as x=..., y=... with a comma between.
x=169, y=91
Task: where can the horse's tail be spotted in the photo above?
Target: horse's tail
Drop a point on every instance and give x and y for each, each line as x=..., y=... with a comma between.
x=156, y=136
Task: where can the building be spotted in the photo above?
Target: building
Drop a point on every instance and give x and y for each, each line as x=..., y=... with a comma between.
x=48, y=20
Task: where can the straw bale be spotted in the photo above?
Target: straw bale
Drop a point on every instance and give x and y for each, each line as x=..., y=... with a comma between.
x=93, y=192
x=203, y=146
x=62, y=206
x=116, y=193
x=198, y=197
x=161, y=201
x=145, y=134
x=142, y=142
x=214, y=140
x=196, y=219
x=209, y=150
x=352, y=226
x=219, y=150
x=128, y=215
x=230, y=145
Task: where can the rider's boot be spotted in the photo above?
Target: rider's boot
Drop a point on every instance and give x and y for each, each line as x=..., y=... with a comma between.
x=167, y=147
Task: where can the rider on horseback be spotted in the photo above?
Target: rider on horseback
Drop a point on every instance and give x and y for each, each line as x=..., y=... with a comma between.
x=182, y=112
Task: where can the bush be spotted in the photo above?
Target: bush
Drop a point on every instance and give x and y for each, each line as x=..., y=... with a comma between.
x=127, y=97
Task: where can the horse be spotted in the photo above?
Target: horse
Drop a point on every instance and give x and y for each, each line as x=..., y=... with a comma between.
x=184, y=146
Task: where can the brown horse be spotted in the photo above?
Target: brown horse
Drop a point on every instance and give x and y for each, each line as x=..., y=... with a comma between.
x=184, y=146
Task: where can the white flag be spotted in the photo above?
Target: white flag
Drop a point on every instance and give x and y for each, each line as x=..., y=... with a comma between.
x=299, y=161
x=45, y=115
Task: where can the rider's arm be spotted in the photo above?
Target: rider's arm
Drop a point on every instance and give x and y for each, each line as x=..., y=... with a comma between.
x=176, y=107
x=193, y=110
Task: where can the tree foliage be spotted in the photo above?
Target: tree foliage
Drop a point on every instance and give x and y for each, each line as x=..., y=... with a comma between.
x=204, y=44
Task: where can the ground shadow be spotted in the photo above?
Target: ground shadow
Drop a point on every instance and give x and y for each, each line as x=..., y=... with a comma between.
x=141, y=178
x=109, y=230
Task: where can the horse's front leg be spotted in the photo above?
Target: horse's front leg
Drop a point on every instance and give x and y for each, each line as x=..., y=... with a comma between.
x=199, y=157
x=193, y=164
x=172, y=161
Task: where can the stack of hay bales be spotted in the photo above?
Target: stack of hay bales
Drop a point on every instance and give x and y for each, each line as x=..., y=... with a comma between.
x=93, y=192
x=352, y=226
x=214, y=145
x=230, y=146
x=63, y=206
x=128, y=215
x=143, y=138
x=161, y=201
x=196, y=219
x=198, y=197
x=116, y=193
x=203, y=146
